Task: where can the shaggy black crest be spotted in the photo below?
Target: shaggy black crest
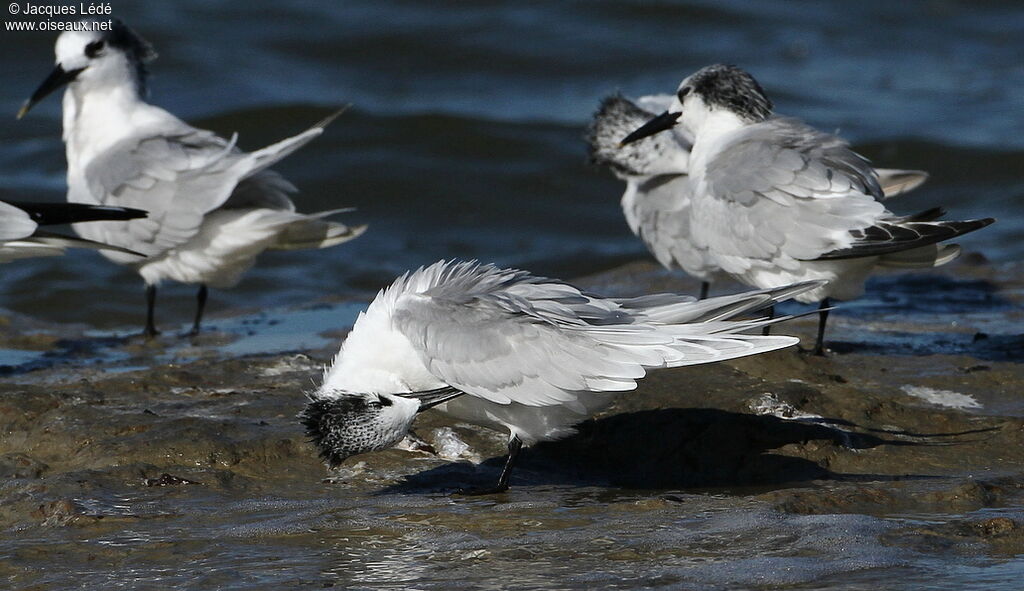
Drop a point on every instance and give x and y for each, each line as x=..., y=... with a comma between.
x=614, y=119
x=138, y=50
x=732, y=88
x=325, y=419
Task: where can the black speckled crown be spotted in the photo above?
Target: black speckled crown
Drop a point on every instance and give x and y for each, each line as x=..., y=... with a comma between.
x=730, y=87
x=138, y=50
x=339, y=428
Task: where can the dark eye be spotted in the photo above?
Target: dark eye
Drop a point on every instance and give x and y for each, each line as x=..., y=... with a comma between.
x=683, y=92
x=93, y=49
x=384, y=401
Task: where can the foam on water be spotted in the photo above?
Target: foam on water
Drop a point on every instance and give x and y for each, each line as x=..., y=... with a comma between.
x=946, y=398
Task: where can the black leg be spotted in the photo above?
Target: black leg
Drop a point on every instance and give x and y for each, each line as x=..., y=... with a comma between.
x=514, y=445
x=704, y=287
x=200, y=304
x=150, y=331
x=769, y=314
x=819, y=347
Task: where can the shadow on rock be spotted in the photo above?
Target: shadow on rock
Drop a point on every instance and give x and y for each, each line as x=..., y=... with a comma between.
x=676, y=448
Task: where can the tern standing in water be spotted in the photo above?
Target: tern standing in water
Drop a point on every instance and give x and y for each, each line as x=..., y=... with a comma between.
x=20, y=236
x=656, y=169
x=775, y=201
x=514, y=352
x=213, y=208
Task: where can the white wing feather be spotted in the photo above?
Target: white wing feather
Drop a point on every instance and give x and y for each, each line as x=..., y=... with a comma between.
x=178, y=175
x=506, y=336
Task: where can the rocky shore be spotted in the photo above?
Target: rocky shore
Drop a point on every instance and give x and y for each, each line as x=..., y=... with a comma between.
x=904, y=444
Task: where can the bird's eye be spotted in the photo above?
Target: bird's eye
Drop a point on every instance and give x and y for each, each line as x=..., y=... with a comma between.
x=93, y=49
x=683, y=92
x=384, y=401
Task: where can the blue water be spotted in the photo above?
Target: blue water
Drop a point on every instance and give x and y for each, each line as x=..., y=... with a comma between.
x=465, y=135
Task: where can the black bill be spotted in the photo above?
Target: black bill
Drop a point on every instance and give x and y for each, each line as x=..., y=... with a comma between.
x=660, y=123
x=431, y=398
x=57, y=78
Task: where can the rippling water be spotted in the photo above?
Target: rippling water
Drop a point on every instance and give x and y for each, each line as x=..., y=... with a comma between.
x=465, y=136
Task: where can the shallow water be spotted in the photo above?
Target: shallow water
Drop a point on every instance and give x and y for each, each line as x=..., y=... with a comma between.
x=464, y=140
x=465, y=134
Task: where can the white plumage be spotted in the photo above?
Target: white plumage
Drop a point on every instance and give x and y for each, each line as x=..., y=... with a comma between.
x=533, y=356
x=659, y=189
x=774, y=201
x=213, y=208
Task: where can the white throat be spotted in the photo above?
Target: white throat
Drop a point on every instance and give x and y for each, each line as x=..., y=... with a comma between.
x=711, y=128
x=96, y=118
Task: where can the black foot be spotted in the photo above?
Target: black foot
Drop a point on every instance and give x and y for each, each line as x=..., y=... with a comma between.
x=819, y=345
x=200, y=305
x=150, y=333
x=479, y=492
x=514, y=445
x=769, y=314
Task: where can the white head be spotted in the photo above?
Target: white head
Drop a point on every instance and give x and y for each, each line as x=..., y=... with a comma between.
x=717, y=92
x=96, y=60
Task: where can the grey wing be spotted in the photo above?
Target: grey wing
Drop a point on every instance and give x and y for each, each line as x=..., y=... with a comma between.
x=658, y=211
x=538, y=342
x=784, y=192
x=265, y=189
x=488, y=350
x=178, y=178
x=14, y=223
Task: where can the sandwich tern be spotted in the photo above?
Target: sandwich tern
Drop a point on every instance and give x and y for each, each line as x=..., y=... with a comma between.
x=511, y=351
x=775, y=201
x=656, y=202
x=20, y=236
x=213, y=208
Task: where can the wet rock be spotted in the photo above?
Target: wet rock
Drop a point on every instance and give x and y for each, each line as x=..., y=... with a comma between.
x=791, y=437
x=166, y=479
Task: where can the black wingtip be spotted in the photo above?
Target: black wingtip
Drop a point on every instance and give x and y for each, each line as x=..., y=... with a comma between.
x=904, y=234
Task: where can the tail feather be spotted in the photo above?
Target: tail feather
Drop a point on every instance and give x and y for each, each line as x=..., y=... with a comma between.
x=312, y=231
x=674, y=309
x=698, y=349
x=896, y=182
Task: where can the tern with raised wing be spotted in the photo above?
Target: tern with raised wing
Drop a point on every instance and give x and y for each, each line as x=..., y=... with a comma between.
x=775, y=201
x=505, y=349
x=213, y=208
